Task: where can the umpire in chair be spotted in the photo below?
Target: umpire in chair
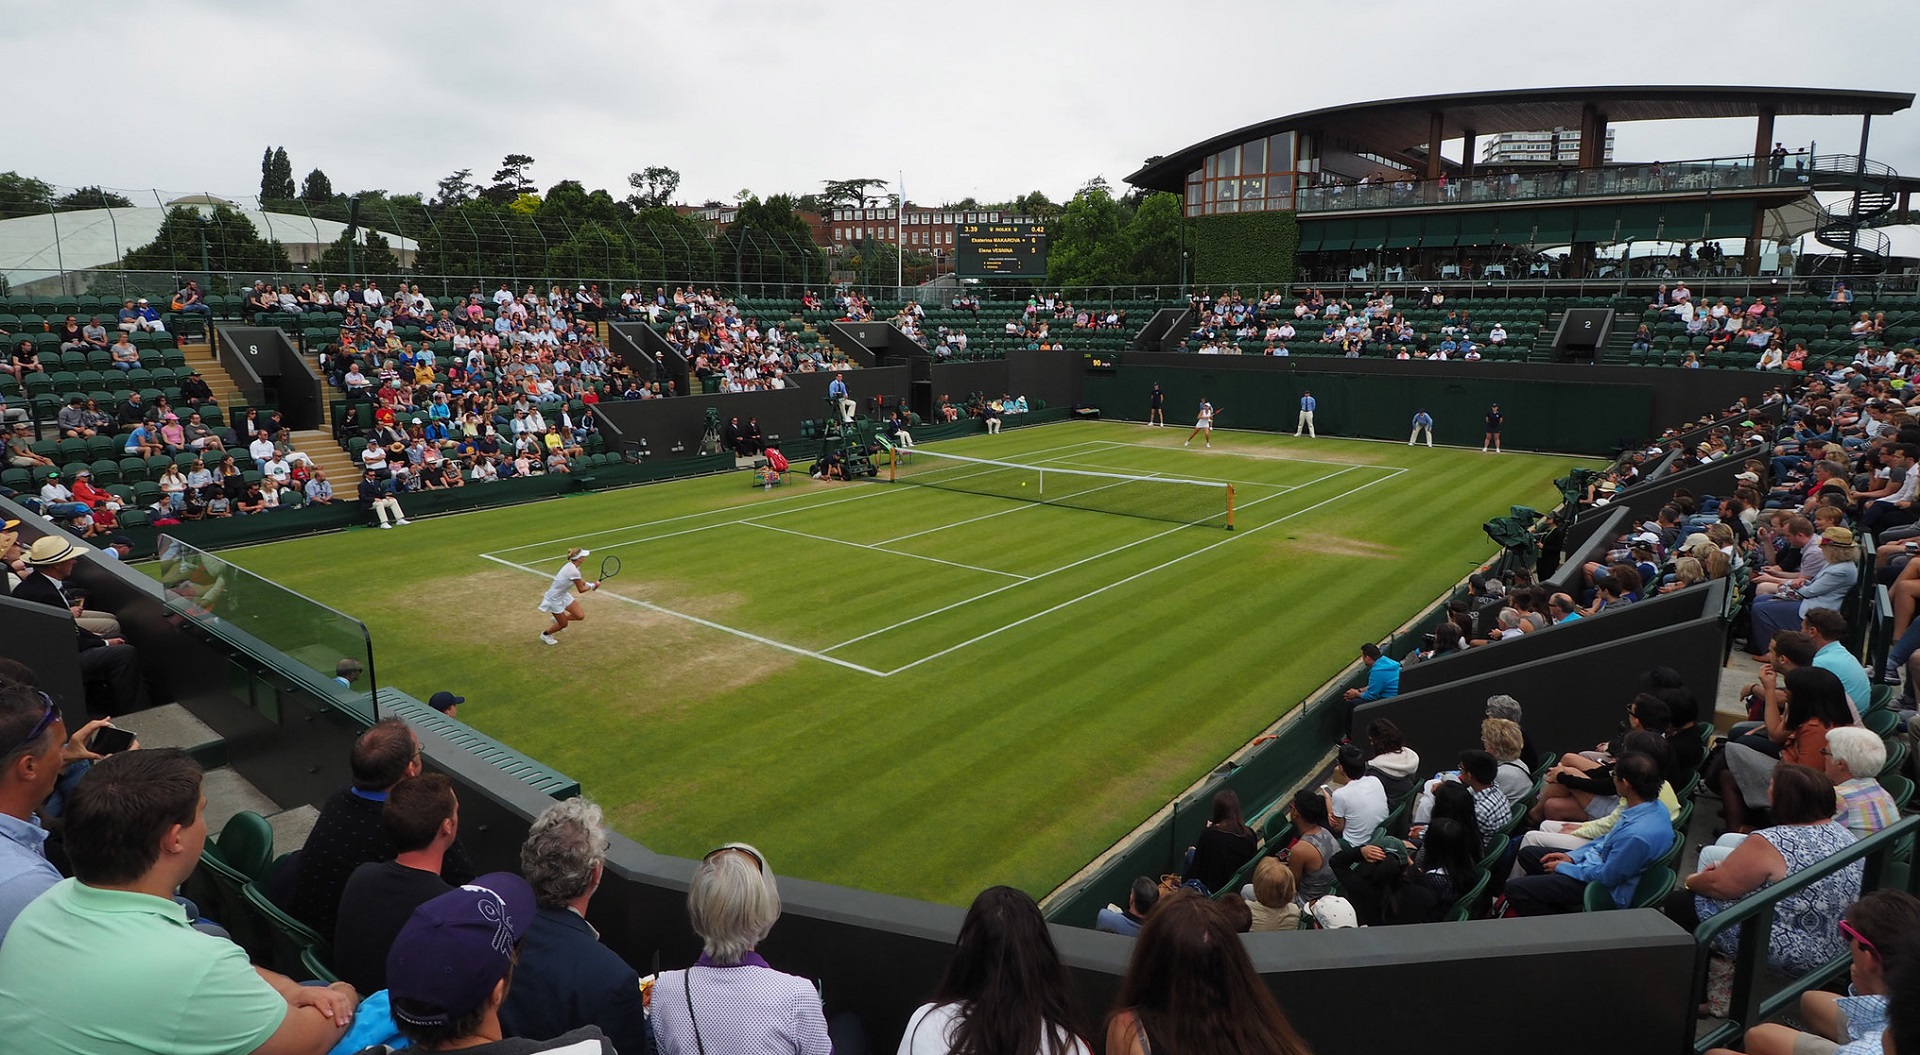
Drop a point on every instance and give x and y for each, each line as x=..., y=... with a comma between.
x=105, y=660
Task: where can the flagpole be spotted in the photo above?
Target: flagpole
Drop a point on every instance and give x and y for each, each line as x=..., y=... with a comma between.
x=899, y=236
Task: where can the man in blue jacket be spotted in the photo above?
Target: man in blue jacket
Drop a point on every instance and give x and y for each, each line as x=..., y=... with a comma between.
x=1557, y=881
x=1383, y=677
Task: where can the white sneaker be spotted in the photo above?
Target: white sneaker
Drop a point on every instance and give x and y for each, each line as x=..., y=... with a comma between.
x=1188, y=443
x=403, y=521
x=1209, y=446
x=386, y=527
x=549, y=639
x=1483, y=450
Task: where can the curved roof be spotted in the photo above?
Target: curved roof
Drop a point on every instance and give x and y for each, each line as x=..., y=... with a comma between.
x=44, y=244
x=1391, y=127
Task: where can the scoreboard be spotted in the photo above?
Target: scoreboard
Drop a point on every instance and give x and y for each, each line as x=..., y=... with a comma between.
x=983, y=249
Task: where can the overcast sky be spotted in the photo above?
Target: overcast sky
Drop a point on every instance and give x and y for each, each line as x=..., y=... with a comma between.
x=988, y=99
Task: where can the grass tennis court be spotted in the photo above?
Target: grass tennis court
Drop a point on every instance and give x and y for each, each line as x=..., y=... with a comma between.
x=916, y=690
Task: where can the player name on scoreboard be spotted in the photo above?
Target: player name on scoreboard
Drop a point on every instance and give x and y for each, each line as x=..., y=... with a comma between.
x=1001, y=249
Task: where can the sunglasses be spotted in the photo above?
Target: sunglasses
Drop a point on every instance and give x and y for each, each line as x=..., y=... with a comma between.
x=1854, y=935
x=50, y=716
x=757, y=859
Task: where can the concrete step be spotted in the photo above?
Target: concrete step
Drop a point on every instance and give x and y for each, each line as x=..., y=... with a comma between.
x=228, y=793
x=174, y=726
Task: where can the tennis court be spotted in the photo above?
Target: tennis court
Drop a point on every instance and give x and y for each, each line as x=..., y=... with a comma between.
x=978, y=541
x=917, y=689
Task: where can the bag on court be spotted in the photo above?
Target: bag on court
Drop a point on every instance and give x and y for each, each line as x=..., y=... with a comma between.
x=775, y=460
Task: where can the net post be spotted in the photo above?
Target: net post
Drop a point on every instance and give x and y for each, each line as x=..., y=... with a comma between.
x=1229, y=507
x=893, y=464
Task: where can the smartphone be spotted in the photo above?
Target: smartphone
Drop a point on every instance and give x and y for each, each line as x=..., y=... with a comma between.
x=108, y=740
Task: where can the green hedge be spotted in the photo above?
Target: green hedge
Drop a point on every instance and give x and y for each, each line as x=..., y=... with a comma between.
x=1246, y=248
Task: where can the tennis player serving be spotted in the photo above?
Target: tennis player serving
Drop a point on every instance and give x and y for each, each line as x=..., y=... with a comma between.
x=561, y=601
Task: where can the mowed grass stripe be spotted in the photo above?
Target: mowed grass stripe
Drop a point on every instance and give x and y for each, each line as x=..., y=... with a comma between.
x=1016, y=759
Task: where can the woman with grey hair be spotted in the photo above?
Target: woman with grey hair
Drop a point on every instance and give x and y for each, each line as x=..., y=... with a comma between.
x=1504, y=706
x=731, y=1000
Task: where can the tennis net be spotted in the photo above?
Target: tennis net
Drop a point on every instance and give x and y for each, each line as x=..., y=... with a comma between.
x=1152, y=497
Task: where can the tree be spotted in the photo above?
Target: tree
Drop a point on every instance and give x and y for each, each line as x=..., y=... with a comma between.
x=23, y=195
x=852, y=193
x=1037, y=205
x=966, y=204
x=512, y=180
x=769, y=243
x=91, y=198
x=276, y=175
x=457, y=189
x=653, y=187
x=230, y=241
x=317, y=188
x=375, y=257
x=1087, y=244
x=1153, y=240
x=568, y=200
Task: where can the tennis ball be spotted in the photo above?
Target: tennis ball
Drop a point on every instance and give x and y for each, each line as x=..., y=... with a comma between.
x=1023, y=483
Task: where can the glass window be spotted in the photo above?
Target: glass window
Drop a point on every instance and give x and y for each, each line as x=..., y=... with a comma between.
x=1280, y=153
x=1229, y=206
x=1193, y=208
x=1213, y=187
x=1195, y=176
x=1280, y=191
x=1254, y=156
x=1252, y=188
x=1230, y=161
x=1229, y=190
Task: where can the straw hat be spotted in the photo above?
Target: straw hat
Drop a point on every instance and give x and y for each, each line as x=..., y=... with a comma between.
x=51, y=550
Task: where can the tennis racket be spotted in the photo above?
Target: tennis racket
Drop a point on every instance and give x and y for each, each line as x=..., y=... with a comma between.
x=609, y=567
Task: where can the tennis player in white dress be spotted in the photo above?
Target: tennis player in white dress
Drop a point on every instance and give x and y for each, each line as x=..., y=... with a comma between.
x=562, y=600
x=1204, y=424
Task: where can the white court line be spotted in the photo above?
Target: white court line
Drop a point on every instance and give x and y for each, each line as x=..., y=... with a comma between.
x=1068, y=567
x=722, y=627
x=738, y=508
x=1264, y=457
x=1140, y=574
x=879, y=549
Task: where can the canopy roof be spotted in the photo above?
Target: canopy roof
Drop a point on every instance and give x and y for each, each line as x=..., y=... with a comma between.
x=1400, y=127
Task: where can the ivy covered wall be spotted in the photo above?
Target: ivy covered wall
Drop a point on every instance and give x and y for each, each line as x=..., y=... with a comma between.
x=1249, y=247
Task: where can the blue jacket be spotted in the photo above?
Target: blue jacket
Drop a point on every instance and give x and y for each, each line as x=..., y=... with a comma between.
x=1383, y=679
x=1619, y=857
x=567, y=979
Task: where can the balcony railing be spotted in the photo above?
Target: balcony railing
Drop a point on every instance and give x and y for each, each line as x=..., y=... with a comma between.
x=1666, y=177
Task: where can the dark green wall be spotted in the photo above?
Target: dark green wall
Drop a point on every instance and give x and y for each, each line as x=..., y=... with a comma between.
x=1254, y=249
x=1570, y=416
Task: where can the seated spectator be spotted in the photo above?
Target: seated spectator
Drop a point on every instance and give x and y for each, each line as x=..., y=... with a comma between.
x=1388, y=885
x=1828, y=589
x=1272, y=895
x=72, y=420
x=1865, y=806
x=351, y=831
x=1225, y=844
x=1392, y=760
x=104, y=658
x=1805, y=931
x=44, y=757
x=125, y=355
x=1359, y=805
x=743, y=1004
x=1555, y=881
x=1004, y=989
x=1383, y=676
x=422, y=819
x=1141, y=897
x=1799, y=714
x=452, y=969
x=134, y=828
x=1310, y=855
x=1190, y=987
x=1579, y=788
x=1505, y=741
x=1879, y=930
x=564, y=978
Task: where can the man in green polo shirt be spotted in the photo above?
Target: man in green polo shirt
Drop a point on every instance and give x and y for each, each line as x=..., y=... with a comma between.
x=107, y=963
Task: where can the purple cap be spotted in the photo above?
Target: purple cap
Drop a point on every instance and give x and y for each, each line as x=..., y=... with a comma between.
x=456, y=948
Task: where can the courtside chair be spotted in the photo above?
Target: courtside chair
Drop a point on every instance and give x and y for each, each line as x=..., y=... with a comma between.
x=288, y=938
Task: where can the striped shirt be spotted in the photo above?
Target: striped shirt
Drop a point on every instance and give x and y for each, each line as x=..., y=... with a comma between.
x=1865, y=806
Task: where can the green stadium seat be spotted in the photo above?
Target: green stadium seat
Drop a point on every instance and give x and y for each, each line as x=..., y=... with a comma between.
x=288, y=939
